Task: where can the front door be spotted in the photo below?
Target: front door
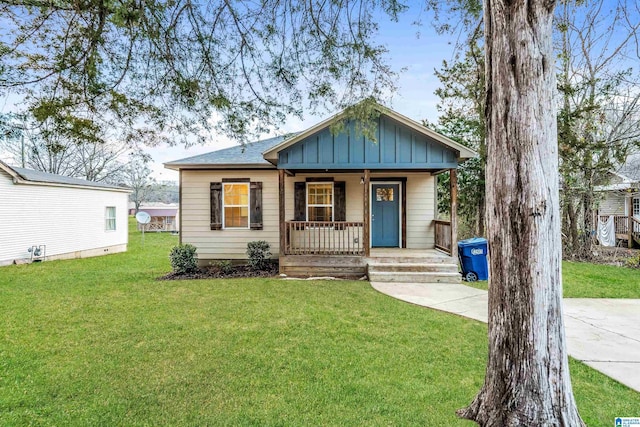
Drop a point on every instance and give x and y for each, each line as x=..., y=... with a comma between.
x=385, y=215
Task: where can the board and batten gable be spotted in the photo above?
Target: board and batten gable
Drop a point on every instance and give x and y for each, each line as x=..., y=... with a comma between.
x=396, y=147
x=230, y=243
x=69, y=220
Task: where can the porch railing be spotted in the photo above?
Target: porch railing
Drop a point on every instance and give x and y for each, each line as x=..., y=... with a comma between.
x=443, y=235
x=621, y=223
x=324, y=238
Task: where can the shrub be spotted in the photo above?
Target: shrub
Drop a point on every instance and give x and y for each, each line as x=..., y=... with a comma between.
x=183, y=259
x=633, y=262
x=259, y=254
x=224, y=266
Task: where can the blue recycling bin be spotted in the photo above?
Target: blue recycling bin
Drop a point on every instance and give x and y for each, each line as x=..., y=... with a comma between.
x=473, y=258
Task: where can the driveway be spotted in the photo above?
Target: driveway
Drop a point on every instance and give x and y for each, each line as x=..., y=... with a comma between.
x=602, y=333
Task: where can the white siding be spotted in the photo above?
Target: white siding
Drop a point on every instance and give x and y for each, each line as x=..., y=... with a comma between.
x=232, y=243
x=612, y=203
x=69, y=221
x=421, y=203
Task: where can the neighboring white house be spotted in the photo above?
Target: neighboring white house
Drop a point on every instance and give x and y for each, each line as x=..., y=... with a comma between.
x=48, y=216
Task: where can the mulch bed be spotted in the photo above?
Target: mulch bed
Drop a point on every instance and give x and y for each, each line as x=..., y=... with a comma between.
x=217, y=273
x=609, y=256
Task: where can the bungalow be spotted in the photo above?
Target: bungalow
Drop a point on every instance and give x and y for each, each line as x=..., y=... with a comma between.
x=329, y=203
x=46, y=216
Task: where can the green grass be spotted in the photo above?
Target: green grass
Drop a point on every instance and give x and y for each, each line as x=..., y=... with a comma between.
x=101, y=342
x=584, y=280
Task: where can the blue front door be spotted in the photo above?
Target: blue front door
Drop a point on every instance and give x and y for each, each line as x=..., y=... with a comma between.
x=385, y=215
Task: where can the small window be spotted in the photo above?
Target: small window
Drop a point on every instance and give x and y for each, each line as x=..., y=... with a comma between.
x=236, y=205
x=110, y=218
x=384, y=194
x=320, y=201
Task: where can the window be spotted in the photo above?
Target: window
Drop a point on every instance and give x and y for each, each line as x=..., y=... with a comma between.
x=384, y=194
x=636, y=206
x=320, y=201
x=236, y=205
x=110, y=218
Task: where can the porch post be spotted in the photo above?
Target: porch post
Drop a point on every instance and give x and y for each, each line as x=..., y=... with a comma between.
x=453, y=188
x=366, y=215
x=283, y=229
x=629, y=202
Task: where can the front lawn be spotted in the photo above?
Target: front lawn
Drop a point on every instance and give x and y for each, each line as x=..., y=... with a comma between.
x=101, y=342
x=585, y=280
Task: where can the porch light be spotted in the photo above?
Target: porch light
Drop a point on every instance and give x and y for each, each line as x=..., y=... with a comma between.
x=362, y=180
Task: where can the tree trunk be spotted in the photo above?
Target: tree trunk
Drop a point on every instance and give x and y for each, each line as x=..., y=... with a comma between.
x=527, y=381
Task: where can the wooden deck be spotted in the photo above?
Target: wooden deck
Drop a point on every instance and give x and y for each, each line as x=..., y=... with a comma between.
x=626, y=228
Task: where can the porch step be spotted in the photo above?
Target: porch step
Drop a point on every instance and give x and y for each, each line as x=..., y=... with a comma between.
x=415, y=277
x=412, y=267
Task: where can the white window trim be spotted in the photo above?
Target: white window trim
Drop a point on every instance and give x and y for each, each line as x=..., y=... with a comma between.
x=107, y=219
x=333, y=200
x=635, y=202
x=248, y=206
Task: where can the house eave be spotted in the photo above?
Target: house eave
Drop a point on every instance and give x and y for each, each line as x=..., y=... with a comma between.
x=20, y=180
x=191, y=166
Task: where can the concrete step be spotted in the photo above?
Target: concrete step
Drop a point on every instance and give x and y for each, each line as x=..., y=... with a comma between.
x=415, y=277
x=412, y=267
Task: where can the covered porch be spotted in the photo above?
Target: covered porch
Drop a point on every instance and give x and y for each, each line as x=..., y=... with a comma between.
x=384, y=197
x=360, y=232
x=343, y=195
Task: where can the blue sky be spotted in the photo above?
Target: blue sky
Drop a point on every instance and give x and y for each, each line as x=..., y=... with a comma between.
x=415, y=98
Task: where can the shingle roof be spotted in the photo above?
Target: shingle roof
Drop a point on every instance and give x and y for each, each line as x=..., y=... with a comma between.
x=37, y=176
x=250, y=154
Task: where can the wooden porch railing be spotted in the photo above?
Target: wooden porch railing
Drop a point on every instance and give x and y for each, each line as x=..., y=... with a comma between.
x=324, y=238
x=443, y=235
x=627, y=228
x=621, y=223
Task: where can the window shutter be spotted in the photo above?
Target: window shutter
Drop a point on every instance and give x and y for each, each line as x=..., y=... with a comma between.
x=255, y=210
x=340, y=202
x=300, y=201
x=216, y=205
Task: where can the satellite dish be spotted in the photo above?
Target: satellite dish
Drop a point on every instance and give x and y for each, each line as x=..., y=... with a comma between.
x=143, y=217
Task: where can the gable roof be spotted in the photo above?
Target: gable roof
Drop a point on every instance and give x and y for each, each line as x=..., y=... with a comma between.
x=463, y=152
x=30, y=176
x=248, y=156
x=264, y=153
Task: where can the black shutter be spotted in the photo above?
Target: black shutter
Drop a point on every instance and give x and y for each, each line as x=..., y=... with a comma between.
x=340, y=202
x=216, y=205
x=300, y=201
x=255, y=210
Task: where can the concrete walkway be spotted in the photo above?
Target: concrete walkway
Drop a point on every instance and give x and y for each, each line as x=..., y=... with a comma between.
x=602, y=333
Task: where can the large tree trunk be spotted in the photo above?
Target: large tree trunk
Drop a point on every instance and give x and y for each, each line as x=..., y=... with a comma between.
x=527, y=381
